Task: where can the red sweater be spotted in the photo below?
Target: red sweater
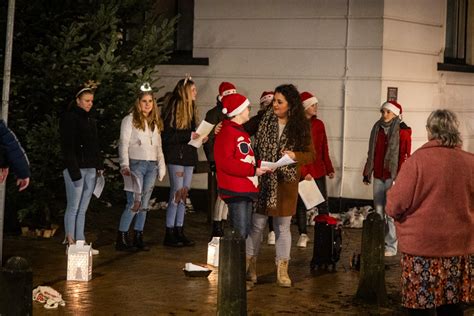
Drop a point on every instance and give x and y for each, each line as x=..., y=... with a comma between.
x=321, y=165
x=235, y=162
x=432, y=202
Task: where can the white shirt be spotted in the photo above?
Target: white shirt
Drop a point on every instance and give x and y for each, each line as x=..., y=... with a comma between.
x=140, y=145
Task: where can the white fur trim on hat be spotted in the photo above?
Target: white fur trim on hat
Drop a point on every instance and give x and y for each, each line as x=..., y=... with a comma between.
x=238, y=109
x=226, y=92
x=392, y=108
x=308, y=102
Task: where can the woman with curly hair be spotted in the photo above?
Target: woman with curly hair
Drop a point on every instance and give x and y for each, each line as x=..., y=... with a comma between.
x=432, y=202
x=140, y=153
x=180, y=121
x=283, y=129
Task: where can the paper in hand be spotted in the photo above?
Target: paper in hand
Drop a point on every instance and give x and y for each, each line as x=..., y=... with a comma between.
x=203, y=130
x=99, y=185
x=132, y=183
x=283, y=161
x=310, y=194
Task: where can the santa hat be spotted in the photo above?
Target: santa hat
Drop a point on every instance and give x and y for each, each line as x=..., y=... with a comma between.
x=234, y=104
x=308, y=99
x=266, y=98
x=393, y=107
x=226, y=88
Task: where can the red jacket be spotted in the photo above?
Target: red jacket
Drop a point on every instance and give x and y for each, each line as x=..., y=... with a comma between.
x=381, y=147
x=321, y=165
x=235, y=162
x=432, y=202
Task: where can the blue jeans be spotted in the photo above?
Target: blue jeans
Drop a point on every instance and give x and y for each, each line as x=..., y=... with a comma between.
x=281, y=224
x=180, y=177
x=78, y=195
x=240, y=215
x=380, y=199
x=146, y=172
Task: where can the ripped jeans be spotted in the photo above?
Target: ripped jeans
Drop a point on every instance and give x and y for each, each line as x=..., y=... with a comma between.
x=147, y=172
x=180, y=183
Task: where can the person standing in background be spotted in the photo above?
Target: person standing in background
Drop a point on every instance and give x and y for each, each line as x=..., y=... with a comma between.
x=432, y=202
x=140, y=153
x=389, y=148
x=215, y=116
x=82, y=161
x=180, y=121
x=318, y=169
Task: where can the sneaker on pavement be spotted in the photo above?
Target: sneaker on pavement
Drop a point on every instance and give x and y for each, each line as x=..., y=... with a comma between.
x=271, y=238
x=95, y=252
x=302, y=241
x=390, y=253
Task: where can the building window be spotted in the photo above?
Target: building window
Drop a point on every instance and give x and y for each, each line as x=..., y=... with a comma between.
x=184, y=32
x=458, y=52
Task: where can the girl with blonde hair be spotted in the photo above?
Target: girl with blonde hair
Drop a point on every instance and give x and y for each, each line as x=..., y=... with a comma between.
x=140, y=156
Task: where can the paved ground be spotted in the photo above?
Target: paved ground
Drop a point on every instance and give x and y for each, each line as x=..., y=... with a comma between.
x=153, y=283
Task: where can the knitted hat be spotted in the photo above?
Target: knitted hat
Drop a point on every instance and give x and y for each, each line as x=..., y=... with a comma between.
x=225, y=88
x=393, y=107
x=234, y=104
x=308, y=99
x=266, y=98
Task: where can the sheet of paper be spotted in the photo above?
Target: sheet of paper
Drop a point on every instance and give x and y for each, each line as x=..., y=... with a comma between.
x=283, y=161
x=309, y=193
x=194, y=267
x=132, y=183
x=99, y=186
x=203, y=130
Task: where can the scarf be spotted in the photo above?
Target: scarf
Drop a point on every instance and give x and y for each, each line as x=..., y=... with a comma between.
x=268, y=148
x=390, y=162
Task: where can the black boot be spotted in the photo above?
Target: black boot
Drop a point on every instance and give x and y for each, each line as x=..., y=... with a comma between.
x=182, y=238
x=123, y=242
x=138, y=241
x=217, y=230
x=170, y=238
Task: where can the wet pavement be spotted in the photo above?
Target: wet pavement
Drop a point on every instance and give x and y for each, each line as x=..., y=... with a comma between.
x=153, y=283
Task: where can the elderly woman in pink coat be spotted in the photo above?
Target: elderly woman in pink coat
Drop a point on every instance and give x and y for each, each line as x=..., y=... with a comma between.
x=432, y=202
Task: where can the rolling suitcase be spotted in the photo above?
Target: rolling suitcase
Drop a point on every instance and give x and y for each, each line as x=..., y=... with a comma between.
x=327, y=242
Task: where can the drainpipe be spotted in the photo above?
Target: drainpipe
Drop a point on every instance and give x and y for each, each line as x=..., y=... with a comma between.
x=344, y=107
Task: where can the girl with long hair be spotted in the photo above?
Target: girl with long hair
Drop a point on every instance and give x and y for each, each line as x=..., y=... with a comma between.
x=140, y=156
x=283, y=129
x=180, y=121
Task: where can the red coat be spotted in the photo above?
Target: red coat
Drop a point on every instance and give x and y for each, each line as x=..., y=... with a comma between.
x=235, y=162
x=321, y=165
x=432, y=202
x=381, y=147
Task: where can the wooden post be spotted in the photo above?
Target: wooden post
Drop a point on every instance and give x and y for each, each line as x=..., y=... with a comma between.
x=372, y=271
x=232, y=291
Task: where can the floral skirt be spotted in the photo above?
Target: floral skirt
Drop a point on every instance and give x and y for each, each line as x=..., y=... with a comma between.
x=430, y=282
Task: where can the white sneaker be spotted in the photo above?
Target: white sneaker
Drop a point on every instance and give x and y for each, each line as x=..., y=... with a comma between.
x=390, y=253
x=302, y=241
x=271, y=238
x=95, y=252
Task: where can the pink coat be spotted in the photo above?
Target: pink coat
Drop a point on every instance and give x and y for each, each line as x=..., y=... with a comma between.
x=432, y=202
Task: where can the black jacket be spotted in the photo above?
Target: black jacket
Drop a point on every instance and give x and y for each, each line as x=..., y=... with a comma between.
x=79, y=141
x=175, y=143
x=12, y=154
x=213, y=116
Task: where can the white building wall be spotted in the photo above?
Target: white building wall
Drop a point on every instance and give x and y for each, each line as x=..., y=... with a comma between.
x=347, y=56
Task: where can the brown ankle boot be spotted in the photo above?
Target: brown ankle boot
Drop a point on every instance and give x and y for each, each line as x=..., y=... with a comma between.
x=251, y=268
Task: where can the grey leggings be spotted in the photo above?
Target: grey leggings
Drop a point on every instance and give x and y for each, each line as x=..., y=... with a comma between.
x=281, y=224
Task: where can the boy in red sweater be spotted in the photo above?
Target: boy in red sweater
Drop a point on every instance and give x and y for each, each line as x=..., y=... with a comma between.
x=236, y=168
x=319, y=168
